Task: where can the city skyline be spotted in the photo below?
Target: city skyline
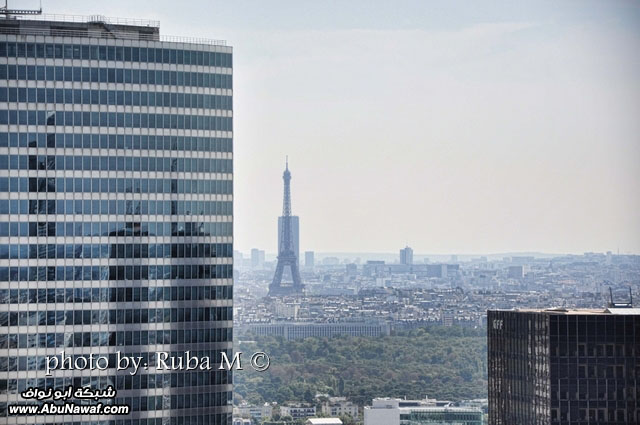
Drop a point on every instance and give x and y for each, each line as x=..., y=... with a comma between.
x=476, y=128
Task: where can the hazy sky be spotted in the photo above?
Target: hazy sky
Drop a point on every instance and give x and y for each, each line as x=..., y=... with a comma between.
x=455, y=127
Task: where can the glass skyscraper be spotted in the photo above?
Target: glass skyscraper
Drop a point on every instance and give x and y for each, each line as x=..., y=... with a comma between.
x=115, y=214
x=564, y=367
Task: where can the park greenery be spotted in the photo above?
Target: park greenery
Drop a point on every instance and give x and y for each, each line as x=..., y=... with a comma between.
x=438, y=362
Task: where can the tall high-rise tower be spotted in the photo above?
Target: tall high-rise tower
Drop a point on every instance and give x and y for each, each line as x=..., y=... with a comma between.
x=406, y=255
x=286, y=254
x=115, y=215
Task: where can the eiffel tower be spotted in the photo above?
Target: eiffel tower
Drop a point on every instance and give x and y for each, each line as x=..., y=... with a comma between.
x=286, y=254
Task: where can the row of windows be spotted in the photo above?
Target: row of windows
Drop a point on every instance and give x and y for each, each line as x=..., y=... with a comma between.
x=435, y=417
x=595, y=416
x=116, y=119
x=113, y=317
x=579, y=353
x=140, y=381
x=579, y=327
x=114, y=228
x=115, y=75
x=114, y=53
x=135, y=250
x=129, y=294
x=114, y=163
x=104, y=206
x=114, y=339
x=114, y=185
x=114, y=97
x=112, y=141
x=93, y=273
x=617, y=371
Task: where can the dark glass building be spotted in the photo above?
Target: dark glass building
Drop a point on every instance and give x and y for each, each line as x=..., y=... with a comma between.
x=115, y=214
x=564, y=367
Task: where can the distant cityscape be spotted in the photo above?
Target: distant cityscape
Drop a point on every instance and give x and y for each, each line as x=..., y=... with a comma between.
x=327, y=295
x=410, y=294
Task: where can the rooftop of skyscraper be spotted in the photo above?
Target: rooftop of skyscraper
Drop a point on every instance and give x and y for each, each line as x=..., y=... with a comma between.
x=572, y=311
x=96, y=26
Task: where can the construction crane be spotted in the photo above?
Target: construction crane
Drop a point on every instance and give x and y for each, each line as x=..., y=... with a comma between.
x=8, y=12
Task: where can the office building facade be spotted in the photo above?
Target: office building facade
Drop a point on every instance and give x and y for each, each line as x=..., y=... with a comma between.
x=564, y=367
x=300, y=330
x=115, y=214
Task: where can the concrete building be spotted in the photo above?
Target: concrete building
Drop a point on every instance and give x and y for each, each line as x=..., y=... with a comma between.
x=116, y=202
x=257, y=259
x=376, y=268
x=387, y=411
x=252, y=411
x=309, y=260
x=447, y=318
x=406, y=255
x=516, y=272
x=298, y=411
x=300, y=330
x=339, y=406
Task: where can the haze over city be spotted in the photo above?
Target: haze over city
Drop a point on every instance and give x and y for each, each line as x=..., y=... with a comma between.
x=453, y=127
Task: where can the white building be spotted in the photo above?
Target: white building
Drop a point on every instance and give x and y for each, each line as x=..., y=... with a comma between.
x=323, y=421
x=246, y=410
x=298, y=412
x=339, y=406
x=388, y=411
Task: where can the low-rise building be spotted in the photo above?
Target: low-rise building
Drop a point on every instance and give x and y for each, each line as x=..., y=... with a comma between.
x=339, y=406
x=323, y=421
x=301, y=330
x=298, y=411
x=388, y=411
x=246, y=410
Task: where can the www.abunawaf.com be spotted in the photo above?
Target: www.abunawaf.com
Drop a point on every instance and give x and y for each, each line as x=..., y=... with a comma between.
x=69, y=409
